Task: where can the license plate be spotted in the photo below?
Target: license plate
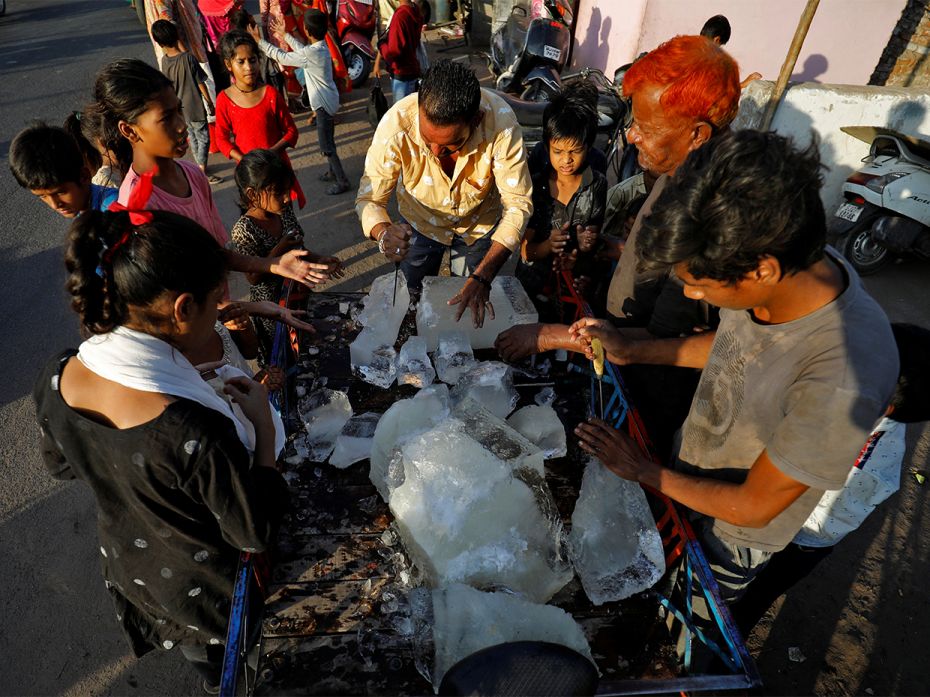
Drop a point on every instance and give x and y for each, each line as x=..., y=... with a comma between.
x=552, y=53
x=849, y=211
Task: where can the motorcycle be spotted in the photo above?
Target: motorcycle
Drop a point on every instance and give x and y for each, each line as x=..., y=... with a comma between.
x=530, y=48
x=886, y=211
x=355, y=27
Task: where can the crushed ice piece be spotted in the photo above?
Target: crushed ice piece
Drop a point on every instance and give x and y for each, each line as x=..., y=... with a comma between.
x=434, y=314
x=312, y=351
x=454, y=356
x=413, y=365
x=343, y=308
x=332, y=318
x=490, y=383
x=541, y=426
x=354, y=442
x=474, y=507
x=403, y=420
x=323, y=414
x=545, y=397
x=614, y=543
x=374, y=361
x=466, y=620
x=795, y=655
x=301, y=391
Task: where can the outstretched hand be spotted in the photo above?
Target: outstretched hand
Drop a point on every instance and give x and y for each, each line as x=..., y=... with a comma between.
x=476, y=297
x=234, y=317
x=293, y=265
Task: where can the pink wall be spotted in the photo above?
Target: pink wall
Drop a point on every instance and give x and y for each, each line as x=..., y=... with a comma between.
x=842, y=47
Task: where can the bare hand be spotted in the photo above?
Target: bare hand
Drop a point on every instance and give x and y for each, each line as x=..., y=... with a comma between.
x=333, y=264
x=559, y=238
x=616, y=345
x=581, y=284
x=252, y=398
x=255, y=32
x=587, y=238
x=276, y=26
x=271, y=377
x=291, y=318
x=519, y=342
x=475, y=296
x=619, y=453
x=395, y=241
x=565, y=262
x=293, y=265
x=234, y=317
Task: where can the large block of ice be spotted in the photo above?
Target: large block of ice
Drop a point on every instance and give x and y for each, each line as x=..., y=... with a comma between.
x=413, y=365
x=434, y=315
x=405, y=419
x=466, y=620
x=615, y=546
x=454, y=356
x=541, y=426
x=473, y=507
x=354, y=442
x=323, y=413
x=490, y=383
x=372, y=353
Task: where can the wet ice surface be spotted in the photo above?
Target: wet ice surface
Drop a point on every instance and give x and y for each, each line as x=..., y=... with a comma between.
x=413, y=365
x=541, y=425
x=354, y=442
x=323, y=414
x=490, y=383
x=454, y=356
x=465, y=620
x=434, y=314
x=472, y=506
x=372, y=353
x=615, y=546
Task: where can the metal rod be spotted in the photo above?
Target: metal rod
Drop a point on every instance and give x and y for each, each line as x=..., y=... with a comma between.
x=394, y=297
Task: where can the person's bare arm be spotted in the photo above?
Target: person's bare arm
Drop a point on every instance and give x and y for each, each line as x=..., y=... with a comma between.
x=290, y=265
x=754, y=503
x=626, y=347
x=476, y=292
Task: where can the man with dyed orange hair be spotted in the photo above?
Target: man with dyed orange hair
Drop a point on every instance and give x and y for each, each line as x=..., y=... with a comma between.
x=683, y=93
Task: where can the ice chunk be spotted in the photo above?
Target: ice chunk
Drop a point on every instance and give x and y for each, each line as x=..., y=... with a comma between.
x=466, y=620
x=474, y=507
x=434, y=314
x=615, y=546
x=490, y=383
x=372, y=353
x=413, y=366
x=405, y=419
x=541, y=426
x=354, y=443
x=454, y=356
x=323, y=413
x=545, y=397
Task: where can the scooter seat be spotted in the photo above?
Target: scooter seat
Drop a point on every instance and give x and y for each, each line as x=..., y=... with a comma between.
x=528, y=113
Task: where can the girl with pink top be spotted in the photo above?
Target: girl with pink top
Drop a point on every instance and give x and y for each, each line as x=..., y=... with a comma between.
x=137, y=104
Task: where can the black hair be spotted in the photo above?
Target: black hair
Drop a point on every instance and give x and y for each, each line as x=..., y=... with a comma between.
x=75, y=128
x=911, y=400
x=122, y=92
x=572, y=114
x=241, y=20
x=261, y=169
x=449, y=93
x=426, y=10
x=232, y=40
x=171, y=253
x=740, y=197
x=316, y=23
x=165, y=33
x=45, y=157
x=717, y=27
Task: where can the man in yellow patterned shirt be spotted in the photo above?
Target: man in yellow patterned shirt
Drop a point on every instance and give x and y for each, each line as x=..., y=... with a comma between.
x=453, y=153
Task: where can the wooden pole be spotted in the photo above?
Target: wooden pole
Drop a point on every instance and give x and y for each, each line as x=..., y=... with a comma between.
x=788, y=67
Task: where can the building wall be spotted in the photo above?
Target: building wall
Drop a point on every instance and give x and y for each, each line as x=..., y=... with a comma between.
x=905, y=62
x=844, y=43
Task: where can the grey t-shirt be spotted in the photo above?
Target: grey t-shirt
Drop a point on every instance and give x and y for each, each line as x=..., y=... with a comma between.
x=186, y=74
x=808, y=392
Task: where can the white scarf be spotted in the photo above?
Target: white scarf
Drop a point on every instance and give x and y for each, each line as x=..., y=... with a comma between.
x=143, y=362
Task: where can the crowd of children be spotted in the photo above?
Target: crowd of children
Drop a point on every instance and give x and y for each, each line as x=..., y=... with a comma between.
x=160, y=393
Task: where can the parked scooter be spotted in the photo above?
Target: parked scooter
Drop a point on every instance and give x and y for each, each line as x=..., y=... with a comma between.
x=529, y=51
x=887, y=207
x=355, y=27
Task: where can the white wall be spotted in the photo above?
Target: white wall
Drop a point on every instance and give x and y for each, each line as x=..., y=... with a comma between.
x=823, y=109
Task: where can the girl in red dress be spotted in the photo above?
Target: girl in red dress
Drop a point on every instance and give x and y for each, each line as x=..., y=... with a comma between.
x=249, y=113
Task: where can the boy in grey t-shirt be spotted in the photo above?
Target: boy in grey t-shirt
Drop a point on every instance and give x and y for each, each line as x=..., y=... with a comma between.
x=796, y=376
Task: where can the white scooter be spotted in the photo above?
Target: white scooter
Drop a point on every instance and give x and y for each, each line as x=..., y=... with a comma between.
x=887, y=207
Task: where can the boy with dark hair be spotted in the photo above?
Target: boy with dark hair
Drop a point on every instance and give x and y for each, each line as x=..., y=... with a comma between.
x=795, y=378
x=189, y=82
x=47, y=161
x=717, y=29
x=568, y=198
x=321, y=88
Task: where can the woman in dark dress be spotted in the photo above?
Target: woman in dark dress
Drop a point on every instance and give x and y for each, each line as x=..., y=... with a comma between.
x=181, y=485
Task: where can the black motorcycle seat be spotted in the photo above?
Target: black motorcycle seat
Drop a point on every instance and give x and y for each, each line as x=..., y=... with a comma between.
x=528, y=113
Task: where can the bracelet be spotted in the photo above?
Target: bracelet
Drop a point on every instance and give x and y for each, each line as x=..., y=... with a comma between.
x=381, y=243
x=482, y=280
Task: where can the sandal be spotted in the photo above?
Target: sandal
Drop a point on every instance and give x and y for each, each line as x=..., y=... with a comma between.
x=338, y=188
x=213, y=179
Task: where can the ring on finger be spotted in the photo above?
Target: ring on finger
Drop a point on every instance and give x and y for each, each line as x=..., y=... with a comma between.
x=397, y=251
